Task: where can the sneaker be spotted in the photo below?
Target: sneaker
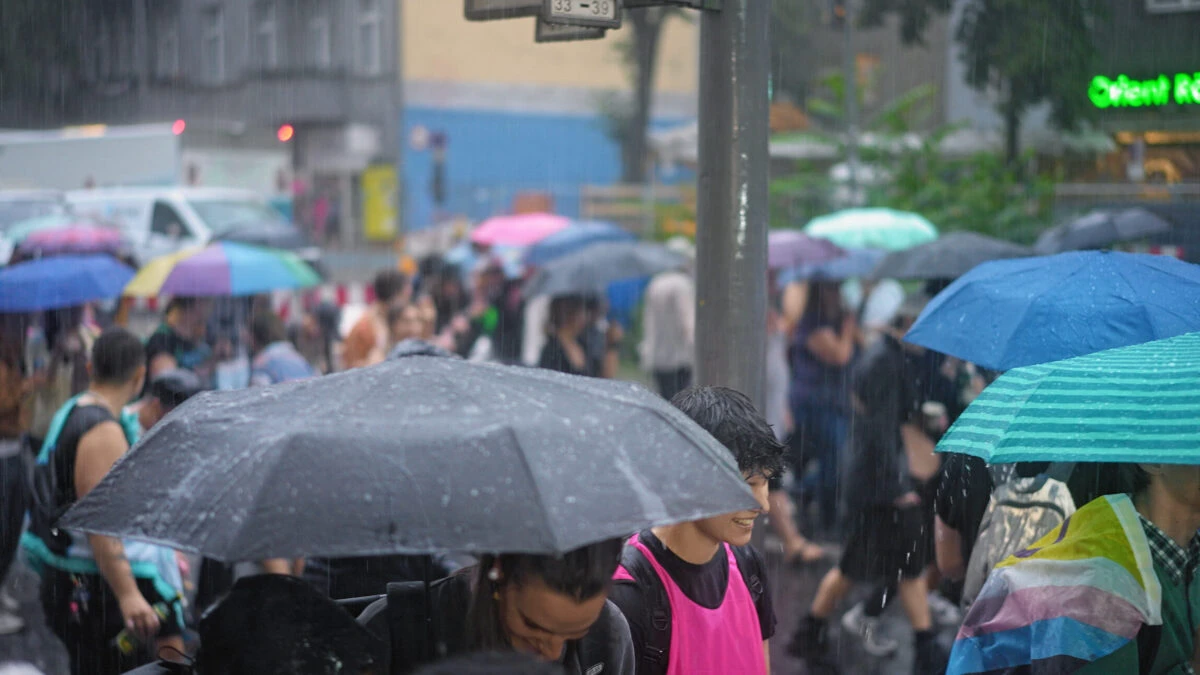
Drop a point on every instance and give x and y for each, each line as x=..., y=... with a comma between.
x=10, y=623
x=810, y=641
x=8, y=603
x=866, y=627
x=944, y=612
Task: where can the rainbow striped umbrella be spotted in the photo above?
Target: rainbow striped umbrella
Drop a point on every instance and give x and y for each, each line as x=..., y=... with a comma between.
x=222, y=269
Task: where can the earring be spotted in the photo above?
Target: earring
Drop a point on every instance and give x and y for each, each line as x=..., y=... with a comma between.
x=493, y=575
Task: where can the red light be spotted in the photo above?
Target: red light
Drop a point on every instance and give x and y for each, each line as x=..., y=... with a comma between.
x=178, y=126
x=285, y=133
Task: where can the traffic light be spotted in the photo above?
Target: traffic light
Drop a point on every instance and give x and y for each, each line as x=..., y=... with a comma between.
x=837, y=13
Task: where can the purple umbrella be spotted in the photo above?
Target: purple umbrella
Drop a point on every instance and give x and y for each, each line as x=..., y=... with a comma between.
x=792, y=248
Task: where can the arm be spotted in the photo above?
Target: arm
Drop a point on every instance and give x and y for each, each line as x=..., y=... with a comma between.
x=923, y=463
x=949, y=550
x=767, y=655
x=161, y=363
x=356, y=349
x=795, y=297
x=98, y=450
x=612, y=351
x=283, y=566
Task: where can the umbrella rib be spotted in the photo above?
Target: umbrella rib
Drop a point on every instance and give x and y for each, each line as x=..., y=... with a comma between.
x=537, y=492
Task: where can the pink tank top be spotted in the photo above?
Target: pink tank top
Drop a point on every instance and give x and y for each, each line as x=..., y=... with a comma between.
x=705, y=641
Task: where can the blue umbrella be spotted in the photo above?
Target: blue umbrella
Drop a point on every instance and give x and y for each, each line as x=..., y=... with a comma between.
x=575, y=237
x=61, y=281
x=1011, y=313
x=857, y=263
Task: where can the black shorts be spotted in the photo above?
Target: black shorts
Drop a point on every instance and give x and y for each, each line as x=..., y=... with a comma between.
x=886, y=544
x=90, y=635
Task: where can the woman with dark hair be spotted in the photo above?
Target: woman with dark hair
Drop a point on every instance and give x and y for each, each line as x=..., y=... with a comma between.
x=552, y=607
x=824, y=343
x=564, y=349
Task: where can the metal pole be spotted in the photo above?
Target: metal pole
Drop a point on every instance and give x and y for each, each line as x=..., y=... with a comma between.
x=731, y=233
x=850, y=74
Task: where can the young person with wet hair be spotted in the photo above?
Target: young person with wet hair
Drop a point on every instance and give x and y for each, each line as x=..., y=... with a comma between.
x=695, y=594
x=553, y=607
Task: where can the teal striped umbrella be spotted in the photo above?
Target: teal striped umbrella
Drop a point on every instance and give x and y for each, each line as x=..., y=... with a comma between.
x=1132, y=404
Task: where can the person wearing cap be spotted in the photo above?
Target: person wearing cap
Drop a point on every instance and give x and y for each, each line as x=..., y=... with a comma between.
x=887, y=538
x=669, y=325
x=167, y=391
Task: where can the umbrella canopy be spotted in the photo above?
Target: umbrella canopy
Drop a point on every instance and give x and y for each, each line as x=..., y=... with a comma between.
x=873, y=228
x=791, y=248
x=1133, y=404
x=1101, y=229
x=855, y=264
x=61, y=281
x=1006, y=314
x=574, y=238
x=81, y=238
x=414, y=455
x=17, y=232
x=947, y=258
x=592, y=269
x=222, y=269
x=519, y=230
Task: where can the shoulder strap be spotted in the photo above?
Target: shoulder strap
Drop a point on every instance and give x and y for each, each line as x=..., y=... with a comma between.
x=751, y=573
x=658, y=610
x=56, y=426
x=410, y=625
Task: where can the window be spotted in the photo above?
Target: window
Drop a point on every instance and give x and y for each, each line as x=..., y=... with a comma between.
x=1164, y=6
x=320, y=40
x=265, y=35
x=213, y=44
x=166, y=222
x=368, y=38
x=166, y=46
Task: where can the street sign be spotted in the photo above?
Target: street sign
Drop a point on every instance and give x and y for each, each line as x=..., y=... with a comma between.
x=595, y=13
x=714, y=5
x=556, y=32
x=488, y=10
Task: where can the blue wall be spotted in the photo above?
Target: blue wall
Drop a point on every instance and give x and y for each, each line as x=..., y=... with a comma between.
x=491, y=156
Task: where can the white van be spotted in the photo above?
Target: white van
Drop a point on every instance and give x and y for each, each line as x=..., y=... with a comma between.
x=158, y=221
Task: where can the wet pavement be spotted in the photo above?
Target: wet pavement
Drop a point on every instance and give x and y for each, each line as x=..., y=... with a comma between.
x=793, y=589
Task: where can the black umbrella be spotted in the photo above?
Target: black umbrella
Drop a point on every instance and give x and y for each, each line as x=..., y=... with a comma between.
x=947, y=258
x=1101, y=229
x=592, y=269
x=414, y=455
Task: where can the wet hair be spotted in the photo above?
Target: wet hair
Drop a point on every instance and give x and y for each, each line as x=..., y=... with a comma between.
x=389, y=284
x=564, y=308
x=266, y=328
x=493, y=663
x=182, y=303
x=731, y=418
x=116, y=356
x=825, y=311
x=1135, y=480
x=581, y=574
x=175, y=386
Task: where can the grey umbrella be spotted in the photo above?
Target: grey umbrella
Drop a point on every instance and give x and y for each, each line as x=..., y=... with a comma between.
x=1102, y=229
x=591, y=269
x=413, y=455
x=947, y=258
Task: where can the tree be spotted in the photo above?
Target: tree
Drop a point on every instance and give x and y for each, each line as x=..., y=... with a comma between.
x=630, y=122
x=1026, y=52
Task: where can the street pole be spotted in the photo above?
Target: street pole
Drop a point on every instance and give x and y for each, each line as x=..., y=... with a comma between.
x=850, y=75
x=731, y=233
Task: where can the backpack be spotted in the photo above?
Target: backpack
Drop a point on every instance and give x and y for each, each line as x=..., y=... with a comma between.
x=657, y=650
x=1020, y=512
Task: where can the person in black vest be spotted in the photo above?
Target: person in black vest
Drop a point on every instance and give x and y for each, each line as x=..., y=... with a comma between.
x=552, y=607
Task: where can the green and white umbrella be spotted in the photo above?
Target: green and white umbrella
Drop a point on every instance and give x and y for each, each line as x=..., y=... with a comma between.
x=886, y=229
x=1133, y=404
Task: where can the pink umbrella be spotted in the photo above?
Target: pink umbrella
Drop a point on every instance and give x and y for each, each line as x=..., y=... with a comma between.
x=519, y=230
x=72, y=239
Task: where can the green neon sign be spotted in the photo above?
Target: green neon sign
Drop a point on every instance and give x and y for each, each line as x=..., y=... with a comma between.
x=1125, y=92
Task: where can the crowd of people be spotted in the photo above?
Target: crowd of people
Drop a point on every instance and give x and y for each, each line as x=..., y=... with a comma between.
x=842, y=451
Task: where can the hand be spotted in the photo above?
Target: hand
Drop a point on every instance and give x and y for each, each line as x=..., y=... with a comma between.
x=139, y=616
x=908, y=499
x=460, y=324
x=615, y=334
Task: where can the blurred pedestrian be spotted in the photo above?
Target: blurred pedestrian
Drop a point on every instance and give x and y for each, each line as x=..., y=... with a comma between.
x=316, y=337
x=406, y=322
x=367, y=342
x=94, y=587
x=552, y=607
x=669, y=325
x=491, y=663
x=67, y=342
x=166, y=392
x=888, y=538
x=274, y=359
x=601, y=339
x=564, y=350
x=179, y=341
x=15, y=391
x=696, y=594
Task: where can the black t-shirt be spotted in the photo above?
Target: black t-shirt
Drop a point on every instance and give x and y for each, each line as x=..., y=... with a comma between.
x=964, y=490
x=554, y=357
x=703, y=584
x=83, y=418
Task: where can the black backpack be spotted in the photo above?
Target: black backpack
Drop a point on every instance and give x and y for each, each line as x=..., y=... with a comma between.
x=657, y=649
